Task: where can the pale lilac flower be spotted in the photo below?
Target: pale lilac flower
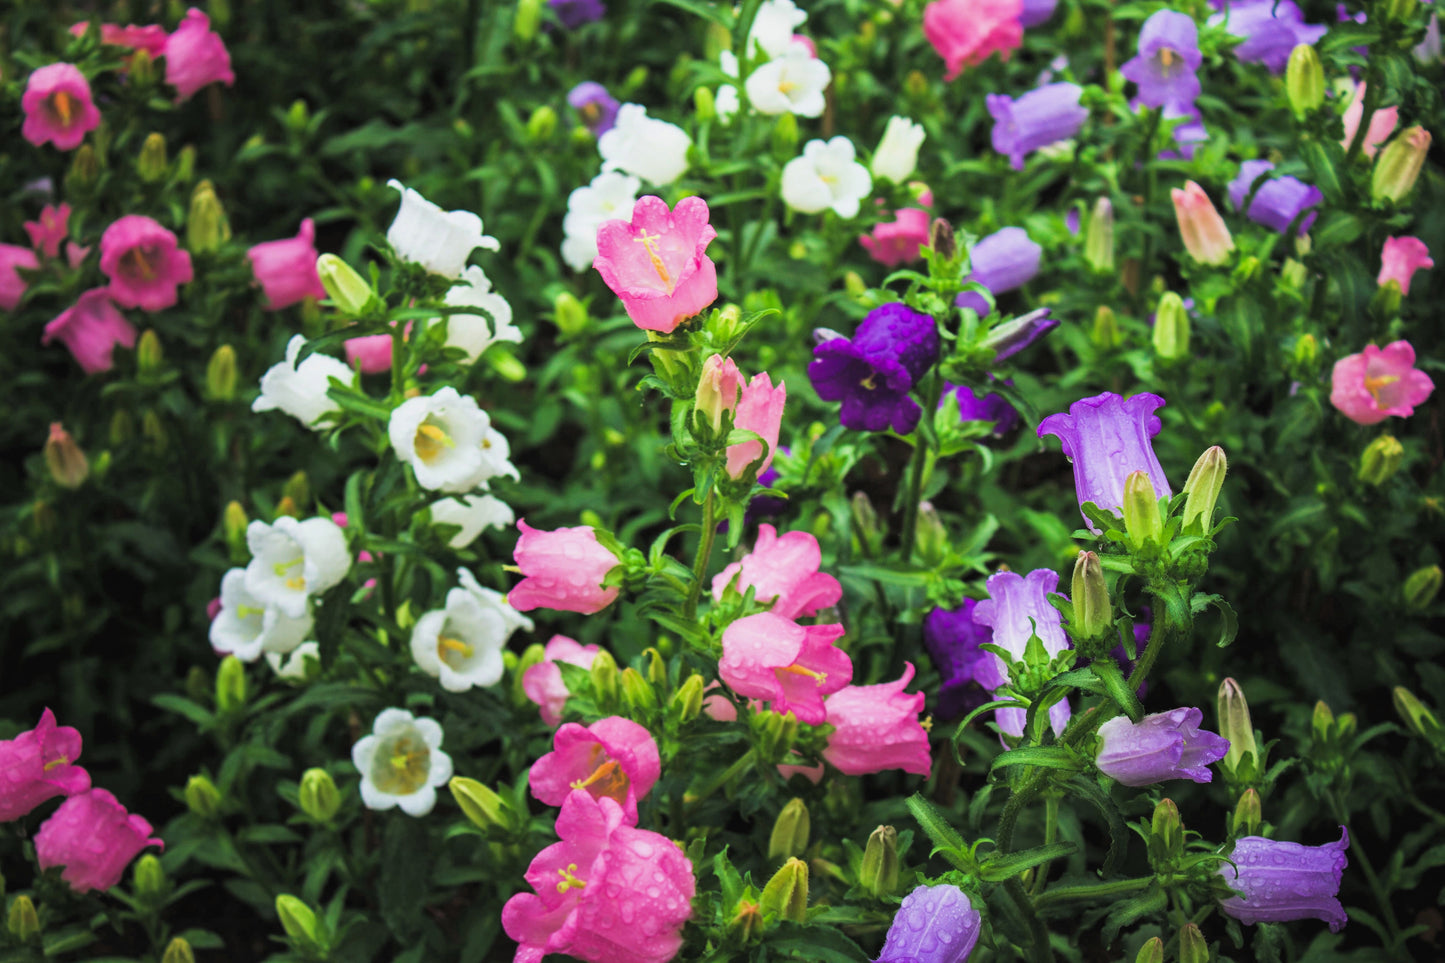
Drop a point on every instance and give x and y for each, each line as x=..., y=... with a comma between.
x=1041, y=117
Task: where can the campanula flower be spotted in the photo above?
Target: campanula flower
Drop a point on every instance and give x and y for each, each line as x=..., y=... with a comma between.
x=562, y=569
x=1277, y=201
x=1106, y=437
x=774, y=27
x=1043, y=116
x=12, y=286
x=967, y=32
x=614, y=758
x=896, y=242
x=935, y=924
x=1283, y=881
x=91, y=328
x=897, y=155
x=1018, y=607
x=438, y=240
x=300, y=390
x=792, y=83
x=449, y=441
x=1164, y=68
x=575, y=13
x=1002, y=261
x=247, y=628
x=782, y=569
x=657, y=262
x=826, y=177
x=49, y=229
x=1035, y=12
x=471, y=514
x=94, y=838
x=150, y=38
x=58, y=107
x=542, y=683
x=611, y=196
x=38, y=765
x=1011, y=337
x=286, y=269
x=652, y=149
x=872, y=372
x=597, y=108
x=461, y=645
x=144, y=263
x=401, y=763
x=1205, y=236
x=969, y=673
x=1382, y=123
x=196, y=56
x=1400, y=258
x=760, y=410
x=369, y=354
x=1163, y=745
x=876, y=727
x=1270, y=29
x=1379, y=382
x=769, y=657
x=976, y=406
x=292, y=560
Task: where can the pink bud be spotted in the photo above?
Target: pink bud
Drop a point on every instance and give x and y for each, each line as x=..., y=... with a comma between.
x=761, y=410
x=1382, y=123
x=718, y=388
x=1205, y=237
x=542, y=683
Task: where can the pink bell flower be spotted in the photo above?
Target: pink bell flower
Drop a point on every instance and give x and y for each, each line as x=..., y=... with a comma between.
x=286, y=269
x=91, y=328
x=1400, y=258
x=94, y=838
x=150, y=38
x=58, y=107
x=1379, y=382
x=718, y=387
x=563, y=570
x=47, y=231
x=760, y=409
x=896, y=242
x=792, y=666
x=12, y=286
x=607, y=893
x=782, y=570
x=1205, y=236
x=613, y=758
x=196, y=56
x=657, y=263
x=370, y=352
x=1382, y=124
x=877, y=728
x=967, y=32
x=144, y=263
x=542, y=683
x=39, y=765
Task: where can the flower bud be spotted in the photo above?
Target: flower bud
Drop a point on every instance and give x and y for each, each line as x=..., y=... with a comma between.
x=1105, y=334
x=1202, y=230
x=854, y=285
x=1385, y=302
x=569, y=314
x=1380, y=460
x=233, y=527
x=747, y=921
x=149, y=355
x=151, y=165
x=185, y=165
x=298, y=488
x=604, y=679
x=231, y=685
x=527, y=20
x=1398, y=166
x=64, y=459
x=786, y=894
x=202, y=796
x=1304, y=80
x=1099, y=237
x=1417, y=717
x=942, y=239
x=1420, y=588
x=718, y=389
x=207, y=226
x=1205, y=482
x=348, y=291
x=865, y=521
x=1247, y=815
x=221, y=374
x=178, y=950
x=1192, y=946
x=542, y=124
x=23, y=922
x=686, y=702
x=140, y=70
x=1306, y=353
x=1166, y=831
x=879, y=873
x=915, y=85
x=785, y=136
x=480, y=804
x=84, y=171
x=299, y=922
x=1171, y=328
x=1093, y=612
x=1141, y=511
x=318, y=795
x=150, y=879
x=930, y=535
x=1235, y=725
x=790, y=831
x=704, y=104
x=637, y=692
x=1151, y=952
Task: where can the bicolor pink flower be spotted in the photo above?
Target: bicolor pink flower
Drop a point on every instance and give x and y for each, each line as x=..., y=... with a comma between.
x=39, y=765
x=614, y=758
x=877, y=728
x=968, y=32
x=1382, y=123
x=1379, y=382
x=94, y=838
x=542, y=683
x=1400, y=258
x=286, y=269
x=760, y=409
x=772, y=658
x=657, y=263
x=782, y=570
x=563, y=570
x=47, y=231
x=12, y=286
x=1205, y=237
x=607, y=893
x=58, y=107
x=91, y=328
x=144, y=263
x=196, y=56
x=151, y=38
x=896, y=242
x=718, y=387
x=370, y=352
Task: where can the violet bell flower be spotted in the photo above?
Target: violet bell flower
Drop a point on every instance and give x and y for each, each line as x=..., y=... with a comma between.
x=1107, y=437
x=1164, y=68
x=1036, y=12
x=1041, y=117
x=1018, y=607
x=1011, y=337
x=1277, y=201
x=975, y=406
x=935, y=924
x=1002, y=261
x=1270, y=30
x=872, y=373
x=1282, y=881
x=1164, y=745
x=596, y=106
x=953, y=637
x=575, y=13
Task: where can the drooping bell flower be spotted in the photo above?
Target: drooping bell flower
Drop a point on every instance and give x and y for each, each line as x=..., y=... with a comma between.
x=760, y=410
x=144, y=263
x=782, y=569
x=370, y=353
x=1018, y=607
x=286, y=269
x=1011, y=337
x=196, y=56
x=1106, y=437
x=1270, y=28
x=1043, y=116
x=1277, y=201
x=1382, y=123
x=1283, y=881
x=150, y=38
x=562, y=569
x=38, y=765
x=657, y=262
x=976, y=406
x=1371, y=386
x=896, y=242
x=1400, y=258
x=614, y=758
x=94, y=838
x=1002, y=261
x=1163, y=745
x=934, y=924
x=967, y=32
x=825, y=177
x=791, y=666
x=542, y=683
x=49, y=229
x=872, y=373
x=1164, y=68
x=970, y=674
x=1203, y=231
x=876, y=727
x=91, y=328
x=596, y=107
x=12, y=285
x=448, y=441
x=438, y=240
x=897, y=155
x=58, y=107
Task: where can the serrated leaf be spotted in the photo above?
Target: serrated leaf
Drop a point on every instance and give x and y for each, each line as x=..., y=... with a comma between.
x=1047, y=757
x=998, y=867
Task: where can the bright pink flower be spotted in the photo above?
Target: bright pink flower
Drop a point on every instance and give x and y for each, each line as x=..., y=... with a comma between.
x=151, y=39
x=196, y=56
x=93, y=837
x=12, y=286
x=968, y=32
x=606, y=893
x=614, y=758
x=564, y=570
x=286, y=269
x=896, y=242
x=371, y=353
x=91, y=328
x=760, y=409
x=1401, y=258
x=58, y=107
x=75, y=254
x=769, y=657
x=49, y=229
x=783, y=570
x=1378, y=382
x=542, y=683
x=657, y=263
x=144, y=263
x=877, y=729
x=1382, y=123
x=213, y=609
x=38, y=765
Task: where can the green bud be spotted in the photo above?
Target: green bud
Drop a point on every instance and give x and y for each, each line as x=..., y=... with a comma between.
x=122, y=427
x=1385, y=302
x=1093, y=612
x=1105, y=335
x=1141, y=511
x=687, y=700
x=1171, y=328
x=185, y=165
x=1205, y=482
x=299, y=922
x=154, y=433
x=231, y=685
x=221, y=374
x=318, y=795
x=207, y=226
x=287, y=506
x=233, y=528
x=298, y=116
x=1306, y=353
x=150, y=878
x=527, y=20
x=84, y=170
x=517, y=669
x=1397, y=167
x=1247, y=815
x=704, y=104
x=1304, y=80
x=1380, y=460
x=637, y=692
x=141, y=69
x=298, y=488
x=149, y=357
x=178, y=950
x=1099, y=237
x=786, y=894
x=1293, y=273
x=1235, y=725
x=64, y=459
x=151, y=165
x=915, y=85
x=23, y=922
x=656, y=667
x=865, y=521
x=348, y=291
x=542, y=124
x=1418, y=718
x=1166, y=829
x=202, y=796
x=931, y=535
x=790, y=831
x=481, y=805
x=727, y=326
x=854, y=284
x=1151, y=952
x=785, y=137
x=1192, y=946
x=634, y=81
x=747, y=921
x=1421, y=587
x=604, y=679
x=879, y=873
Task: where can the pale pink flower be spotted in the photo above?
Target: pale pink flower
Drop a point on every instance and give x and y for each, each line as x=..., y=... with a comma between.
x=968, y=32
x=286, y=269
x=370, y=352
x=614, y=758
x=1382, y=123
x=144, y=263
x=151, y=38
x=563, y=570
x=771, y=658
x=896, y=242
x=717, y=389
x=1400, y=258
x=196, y=56
x=657, y=263
x=75, y=254
x=12, y=286
x=1378, y=382
x=1205, y=236
x=93, y=837
x=38, y=765
x=877, y=728
x=783, y=570
x=58, y=107
x=760, y=409
x=542, y=683
x=91, y=328
x=47, y=231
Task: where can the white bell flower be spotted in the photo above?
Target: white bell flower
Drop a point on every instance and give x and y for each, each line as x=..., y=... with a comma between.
x=293, y=560
x=401, y=763
x=473, y=513
x=790, y=84
x=727, y=102
x=299, y=664
x=494, y=600
x=301, y=391
x=461, y=645
x=448, y=441
x=473, y=333
x=438, y=240
x=826, y=176
x=609, y=197
x=245, y=627
x=897, y=155
x=654, y=150
x=774, y=26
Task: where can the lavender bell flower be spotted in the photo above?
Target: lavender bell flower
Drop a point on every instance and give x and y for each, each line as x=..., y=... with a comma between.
x=1036, y=12
x=935, y=924
x=1017, y=607
x=1270, y=31
x=1002, y=261
x=1107, y=437
x=1011, y=337
x=1164, y=745
x=872, y=372
x=953, y=637
x=1278, y=201
x=992, y=407
x=1283, y=881
x=575, y=13
x=597, y=107
x=1164, y=68
x=1041, y=117
x=1188, y=135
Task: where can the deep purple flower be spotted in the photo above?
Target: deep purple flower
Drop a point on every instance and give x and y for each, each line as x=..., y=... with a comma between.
x=1011, y=337
x=1164, y=745
x=1002, y=261
x=1043, y=116
x=872, y=372
x=1164, y=68
x=1036, y=12
x=767, y=506
x=574, y=13
x=1270, y=30
x=953, y=637
x=1278, y=201
x=1017, y=607
x=992, y=407
x=935, y=924
x=597, y=107
x=1107, y=437
x=1284, y=881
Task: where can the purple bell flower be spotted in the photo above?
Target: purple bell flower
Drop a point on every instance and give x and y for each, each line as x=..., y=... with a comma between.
x=1283, y=881
x=1072, y=220
x=1002, y=261
x=1278, y=201
x=1036, y=12
x=1018, y=607
x=1168, y=58
x=992, y=407
x=953, y=637
x=1188, y=135
x=1107, y=437
x=1270, y=31
x=872, y=373
x=1041, y=117
x=935, y=924
x=575, y=13
x=1011, y=337
x=1164, y=745
x=597, y=107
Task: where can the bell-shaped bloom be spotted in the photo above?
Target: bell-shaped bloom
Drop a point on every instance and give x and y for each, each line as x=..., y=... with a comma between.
x=144, y=263
x=969, y=673
x=1270, y=28
x=1164, y=745
x=790, y=84
x=1018, y=607
x=438, y=240
x=607, y=893
x=91, y=328
x=768, y=657
x=1371, y=386
x=826, y=177
x=657, y=262
x=475, y=333
x=543, y=684
x=575, y=13
x=614, y=757
x=596, y=107
x=1188, y=135
x=1382, y=123
x=967, y=32
x=292, y=560
x=1164, y=68
x=652, y=149
x=49, y=229
x=1043, y=116
x=1282, y=881
x=610, y=197
x=782, y=569
x=150, y=38
x=1035, y=12
x=760, y=410
x=401, y=763
x=369, y=354
x=775, y=27
x=562, y=569
x=298, y=665
x=461, y=645
x=471, y=514
x=1106, y=437
x=247, y=628
x=977, y=406
x=1277, y=201
x=1011, y=337
x=897, y=155
x=38, y=765
x=1201, y=228
x=872, y=372
x=286, y=269
x=12, y=286
x=1002, y=261
x=896, y=242
x=935, y=924
x=94, y=838
x=58, y=107
x=876, y=727
x=449, y=441
x=1400, y=258
x=196, y=56
x=300, y=390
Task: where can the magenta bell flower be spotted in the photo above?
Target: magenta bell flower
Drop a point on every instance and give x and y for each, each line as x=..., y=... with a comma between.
x=196, y=56
x=1107, y=437
x=144, y=263
x=564, y=569
x=657, y=262
x=1002, y=261
x=58, y=106
x=12, y=285
x=39, y=765
x=1164, y=745
x=1400, y=258
x=1168, y=57
x=1041, y=117
x=91, y=328
x=792, y=666
x=782, y=570
x=286, y=269
x=876, y=727
x=614, y=757
x=49, y=229
x=1278, y=201
x=94, y=838
x=1283, y=881
x=935, y=924
x=1379, y=383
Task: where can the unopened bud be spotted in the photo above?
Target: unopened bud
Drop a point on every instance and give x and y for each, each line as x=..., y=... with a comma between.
x=348, y=291
x=1093, y=612
x=1192, y=945
x=1248, y=815
x=1380, y=460
x=854, y=284
x=637, y=691
x=1166, y=829
x=704, y=104
x=1421, y=587
x=1099, y=237
x=1171, y=328
x=604, y=678
x=1417, y=716
x=718, y=388
x=84, y=171
x=1306, y=353
x=1151, y=952
x=786, y=894
x=231, y=685
x=915, y=85
x=879, y=872
x=942, y=239
x=1398, y=166
x=785, y=136
x=207, y=226
x=318, y=795
x=299, y=922
x=221, y=374
x=1205, y=482
x=150, y=878
x=287, y=506
x=865, y=520
x=298, y=116
x=149, y=356
x=686, y=702
x=122, y=427
x=1105, y=334
x=747, y=921
x=23, y=922
x=178, y=950
x=1235, y=725
x=64, y=459
x=931, y=535
x=185, y=165
x=1304, y=80
x=233, y=527
x=542, y=124
x=140, y=70
x=151, y=165
x=790, y=831
x=480, y=804
x=298, y=488
x=569, y=314
x=528, y=18
x=202, y=797
x=1141, y=511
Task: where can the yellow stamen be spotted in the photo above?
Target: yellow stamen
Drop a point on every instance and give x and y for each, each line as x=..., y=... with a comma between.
x=402, y=761
x=246, y=611
x=927, y=724
x=1166, y=56
x=569, y=879
x=868, y=382
x=647, y=240
x=281, y=568
x=604, y=771
x=800, y=670
x=430, y=441
x=1373, y=385
x=447, y=644
x=57, y=761
x=62, y=104
x=296, y=582
x=786, y=87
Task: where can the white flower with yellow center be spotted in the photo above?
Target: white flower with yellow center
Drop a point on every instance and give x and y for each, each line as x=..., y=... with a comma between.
x=493, y=600
x=472, y=513
x=447, y=440
x=826, y=176
x=475, y=333
x=401, y=763
x=461, y=645
x=654, y=150
x=293, y=560
x=300, y=390
x=438, y=240
x=245, y=627
x=790, y=84
x=774, y=25
x=610, y=197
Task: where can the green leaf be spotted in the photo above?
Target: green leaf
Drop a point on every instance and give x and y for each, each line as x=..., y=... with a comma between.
x=1047, y=757
x=1226, y=611
x=1117, y=687
x=1326, y=160
x=358, y=403
x=946, y=840
x=180, y=705
x=1130, y=911
x=986, y=707
x=402, y=888
x=998, y=867
x=1087, y=789
x=817, y=944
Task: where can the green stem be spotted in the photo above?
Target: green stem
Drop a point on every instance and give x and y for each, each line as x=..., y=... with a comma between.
x=744, y=762
x=917, y=468
x=1150, y=183
x=1051, y=820
x=704, y=555
x=1040, y=951
x=1357, y=856
x=1092, y=891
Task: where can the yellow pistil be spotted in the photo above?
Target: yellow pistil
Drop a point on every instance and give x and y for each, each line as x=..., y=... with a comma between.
x=1166, y=56
x=647, y=241
x=296, y=582
x=607, y=771
x=590, y=114
x=281, y=568
x=868, y=383
x=431, y=440
x=57, y=761
x=800, y=670
x=60, y=102
x=447, y=644
x=1373, y=385
x=246, y=611
x=786, y=87
x=135, y=264
x=569, y=879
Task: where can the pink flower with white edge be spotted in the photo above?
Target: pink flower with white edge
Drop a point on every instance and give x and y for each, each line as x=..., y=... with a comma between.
x=286, y=269
x=782, y=570
x=563, y=570
x=94, y=838
x=542, y=683
x=1379, y=382
x=967, y=32
x=607, y=893
x=896, y=242
x=58, y=107
x=12, y=285
x=877, y=728
x=772, y=658
x=39, y=765
x=47, y=231
x=1400, y=258
x=150, y=38
x=657, y=263
x=196, y=56
x=613, y=758
x=760, y=409
x=144, y=263
x=91, y=328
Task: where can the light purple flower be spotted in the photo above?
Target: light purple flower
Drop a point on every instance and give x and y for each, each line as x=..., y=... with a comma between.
x=575, y=13
x=935, y=924
x=1017, y=607
x=1036, y=12
x=1270, y=31
x=1164, y=745
x=1188, y=135
x=1041, y=117
x=597, y=107
x=1011, y=337
x=1283, y=881
x=1164, y=68
x=1002, y=261
x=1107, y=437
x=1278, y=201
